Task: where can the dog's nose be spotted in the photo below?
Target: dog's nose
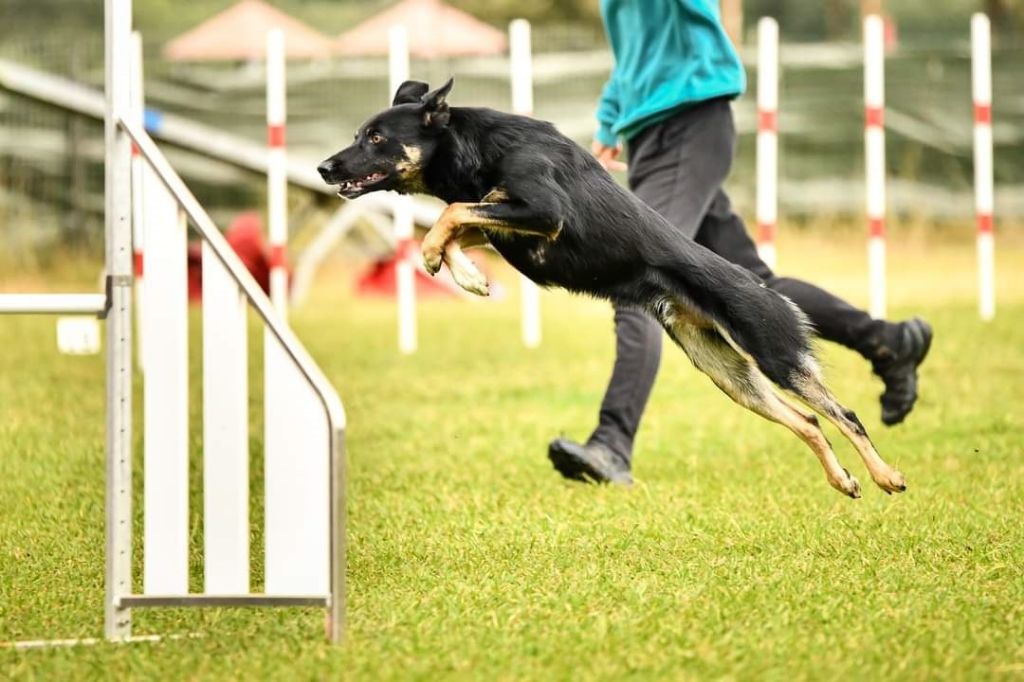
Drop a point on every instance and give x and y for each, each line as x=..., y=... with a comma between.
x=325, y=169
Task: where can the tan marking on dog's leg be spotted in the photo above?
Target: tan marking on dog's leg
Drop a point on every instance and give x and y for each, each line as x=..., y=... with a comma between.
x=459, y=216
x=741, y=380
x=811, y=389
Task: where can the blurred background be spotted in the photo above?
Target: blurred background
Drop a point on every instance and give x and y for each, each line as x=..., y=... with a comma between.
x=51, y=175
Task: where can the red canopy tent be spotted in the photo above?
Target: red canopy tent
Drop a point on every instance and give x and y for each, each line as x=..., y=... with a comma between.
x=435, y=30
x=239, y=33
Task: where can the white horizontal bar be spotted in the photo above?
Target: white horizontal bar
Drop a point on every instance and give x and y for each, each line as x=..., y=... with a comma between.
x=52, y=304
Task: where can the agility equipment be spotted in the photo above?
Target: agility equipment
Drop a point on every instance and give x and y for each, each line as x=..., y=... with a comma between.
x=981, y=86
x=304, y=494
x=874, y=159
x=404, y=225
x=767, y=137
x=521, y=78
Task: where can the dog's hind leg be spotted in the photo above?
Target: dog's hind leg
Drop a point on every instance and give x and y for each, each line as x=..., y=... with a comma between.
x=739, y=378
x=808, y=386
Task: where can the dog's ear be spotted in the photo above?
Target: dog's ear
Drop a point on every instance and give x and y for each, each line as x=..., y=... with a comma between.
x=435, y=106
x=410, y=92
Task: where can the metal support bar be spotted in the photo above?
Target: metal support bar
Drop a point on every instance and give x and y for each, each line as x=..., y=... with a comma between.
x=118, y=239
x=53, y=304
x=140, y=601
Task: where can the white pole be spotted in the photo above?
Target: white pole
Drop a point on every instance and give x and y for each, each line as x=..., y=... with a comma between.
x=981, y=82
x=767, y=137
x=521, y=78
x=277, y=170
x=874, y=159
x=118, y=578
x=138, y=107
x=405, y=271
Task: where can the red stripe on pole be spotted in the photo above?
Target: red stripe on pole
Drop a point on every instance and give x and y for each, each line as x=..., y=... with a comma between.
x=984, y=223
x=876, y=227
x=275, y=135
x=766, y=232
x=767, y=121
x=135, y=150
x=277, y=256
x=406, y=249
x=137, y=263
x=873, y=116
x=983, y=113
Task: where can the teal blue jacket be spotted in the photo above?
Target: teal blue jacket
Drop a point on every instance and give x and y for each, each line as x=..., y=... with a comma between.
x=669, y=54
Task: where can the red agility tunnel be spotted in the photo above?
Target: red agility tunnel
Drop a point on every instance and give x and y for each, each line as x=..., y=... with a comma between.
x=246, y=237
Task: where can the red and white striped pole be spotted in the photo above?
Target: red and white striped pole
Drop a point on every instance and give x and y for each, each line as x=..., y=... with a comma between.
x=277, y=171
x=138, y=112
x=521, y=78
x=874, y=158
x=981, y=83
x=405, y=245
x=767, y=137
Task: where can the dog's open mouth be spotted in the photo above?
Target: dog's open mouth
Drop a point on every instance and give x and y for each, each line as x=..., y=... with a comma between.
x=359, y=184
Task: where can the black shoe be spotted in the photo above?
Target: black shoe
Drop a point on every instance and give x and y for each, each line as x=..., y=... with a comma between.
x=899, y=369
x=588, y=463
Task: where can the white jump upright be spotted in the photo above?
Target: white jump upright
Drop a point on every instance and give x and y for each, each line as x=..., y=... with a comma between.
x=767, y=138
x=874, y=159
x=981, y=86
x=521, y=78
x=158, y=221
x=405, y=245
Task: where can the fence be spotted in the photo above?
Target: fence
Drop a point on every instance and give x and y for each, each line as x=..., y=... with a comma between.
x=51, y=162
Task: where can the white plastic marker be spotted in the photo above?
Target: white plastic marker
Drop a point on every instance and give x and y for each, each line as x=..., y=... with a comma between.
x=405, y=245
x=767, y=137
x=874, y=159
x=981, y=83
x=521, y=77
x=137, y=100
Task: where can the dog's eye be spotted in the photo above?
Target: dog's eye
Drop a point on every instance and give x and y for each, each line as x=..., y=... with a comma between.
x=376, y=138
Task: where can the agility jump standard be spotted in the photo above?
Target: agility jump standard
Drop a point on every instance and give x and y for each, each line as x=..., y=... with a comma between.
x=305, y=476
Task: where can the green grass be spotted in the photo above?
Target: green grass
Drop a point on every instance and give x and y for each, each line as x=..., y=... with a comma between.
x=470, y=559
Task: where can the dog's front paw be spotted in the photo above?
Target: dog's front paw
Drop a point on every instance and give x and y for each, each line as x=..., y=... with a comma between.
x=472, y=280
x=432, y=258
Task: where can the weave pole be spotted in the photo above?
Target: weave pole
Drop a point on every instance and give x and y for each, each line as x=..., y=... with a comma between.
x=874, y=159
x=405, y=245
x=767, y=137
x=277, y=170
x=521, y=78
x=981, y=85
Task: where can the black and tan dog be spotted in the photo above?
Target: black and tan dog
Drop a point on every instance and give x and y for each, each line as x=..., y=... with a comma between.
x=553, y=212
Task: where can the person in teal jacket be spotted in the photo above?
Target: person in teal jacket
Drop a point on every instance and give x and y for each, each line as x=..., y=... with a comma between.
x=668, y=98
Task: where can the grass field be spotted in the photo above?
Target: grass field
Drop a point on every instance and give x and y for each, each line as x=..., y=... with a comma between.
x=470, y=559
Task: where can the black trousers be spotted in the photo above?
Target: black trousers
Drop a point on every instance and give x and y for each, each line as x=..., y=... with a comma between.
x=677, y=167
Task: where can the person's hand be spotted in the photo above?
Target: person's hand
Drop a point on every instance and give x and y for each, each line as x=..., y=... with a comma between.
x=608, y=156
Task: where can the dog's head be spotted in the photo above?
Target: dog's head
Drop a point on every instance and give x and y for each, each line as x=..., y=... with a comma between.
x=391, y=149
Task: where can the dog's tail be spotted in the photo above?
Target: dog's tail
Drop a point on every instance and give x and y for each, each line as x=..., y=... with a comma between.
x=761, y=322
